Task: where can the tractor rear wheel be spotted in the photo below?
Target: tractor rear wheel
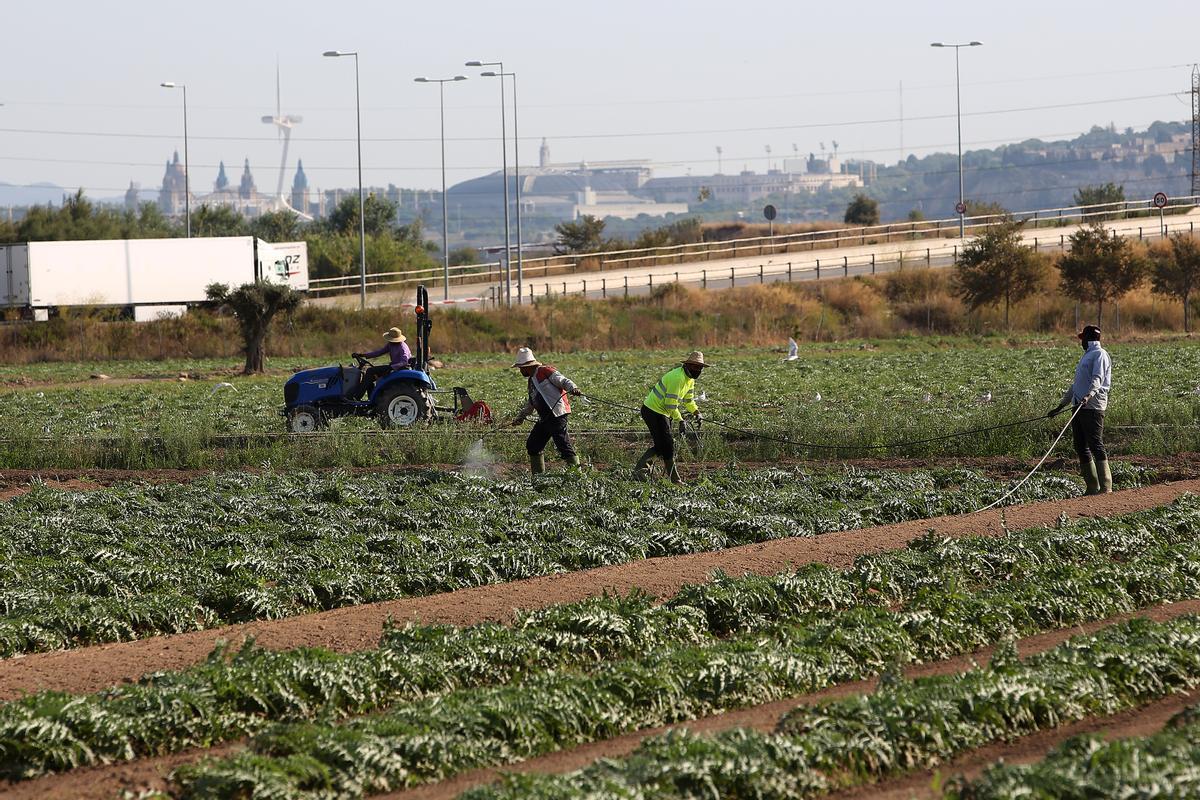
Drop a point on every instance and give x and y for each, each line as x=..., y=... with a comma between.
x=402, y=406
x=306, y=419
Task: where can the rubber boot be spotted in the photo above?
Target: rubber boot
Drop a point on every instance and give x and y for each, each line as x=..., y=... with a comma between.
x=537, y=464
x=672, y=470
x=1088, y=470
x=573, y=461
x=643, y=464
x=1105, y=476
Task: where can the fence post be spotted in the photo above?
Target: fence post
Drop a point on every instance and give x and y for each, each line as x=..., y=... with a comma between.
x=651, y=276
x=1062, y=241
x=1035, y=244
x=760, y=273
x=603, y=288
x=627, y=286
x=789, y=272
x=1139, y=233
x=872, y=263
x=704, y=279
x=818, y=269
x=928, y=258
x=547, y=290
x=846, y=266
x=955, y=254
x=564, y=288
x=677, y=276
x=531, y=292
x=585, y=288
x=732, y=278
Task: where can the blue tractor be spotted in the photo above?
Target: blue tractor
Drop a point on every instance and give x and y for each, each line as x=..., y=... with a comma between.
x=402, y=398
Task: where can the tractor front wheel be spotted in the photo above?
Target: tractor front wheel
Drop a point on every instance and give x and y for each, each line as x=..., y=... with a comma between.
x=402, y=406
x=306, y=419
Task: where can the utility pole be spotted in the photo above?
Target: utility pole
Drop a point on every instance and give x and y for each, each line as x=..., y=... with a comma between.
x=1196, y=131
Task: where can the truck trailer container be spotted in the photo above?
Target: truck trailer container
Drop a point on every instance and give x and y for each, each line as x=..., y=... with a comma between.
x=143, y=275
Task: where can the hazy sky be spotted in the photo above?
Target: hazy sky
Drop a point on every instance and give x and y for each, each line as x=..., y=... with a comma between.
x=665, y=81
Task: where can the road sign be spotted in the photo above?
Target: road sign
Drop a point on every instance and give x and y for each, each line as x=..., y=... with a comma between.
x=1160, y=200
x=960, y=208
x=769, y=212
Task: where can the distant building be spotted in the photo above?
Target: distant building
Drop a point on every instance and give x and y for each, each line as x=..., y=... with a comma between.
x=300, y=190
x=132, y=202
x=797, y=176
x=172, y=199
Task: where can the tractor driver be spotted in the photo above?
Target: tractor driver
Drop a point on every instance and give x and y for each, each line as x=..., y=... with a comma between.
x=398, y=354
x=548, y=396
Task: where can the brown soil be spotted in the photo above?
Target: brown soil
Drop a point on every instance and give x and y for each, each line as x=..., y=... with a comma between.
x=90, y=669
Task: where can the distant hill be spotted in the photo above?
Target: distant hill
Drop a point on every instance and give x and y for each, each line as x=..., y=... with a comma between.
x=37, y=194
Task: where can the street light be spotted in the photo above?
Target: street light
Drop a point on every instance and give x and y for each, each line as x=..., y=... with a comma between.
x=958, y=95
x=504, y=169
x=516, y=177
x=441, y=82
x=187, y=185
x=362, y=216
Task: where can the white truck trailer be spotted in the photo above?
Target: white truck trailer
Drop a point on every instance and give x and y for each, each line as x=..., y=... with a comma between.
x=151, y=277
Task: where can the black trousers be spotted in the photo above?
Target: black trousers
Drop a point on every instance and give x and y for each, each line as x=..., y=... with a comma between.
x=372, y=375
x=547, y=428
x=1087, y=429
x=660, y=431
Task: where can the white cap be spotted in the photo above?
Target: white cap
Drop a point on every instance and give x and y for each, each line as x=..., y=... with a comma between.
x=525, y=358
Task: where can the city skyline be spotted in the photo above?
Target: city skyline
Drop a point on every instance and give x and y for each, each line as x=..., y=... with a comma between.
x=651, y=83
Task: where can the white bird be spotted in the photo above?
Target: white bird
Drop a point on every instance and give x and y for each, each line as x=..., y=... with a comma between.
x=927, y=397
x=793, y=350
x=1194, y=391
x=222, y=385
x=986, y=397
x=703, y=395
x=817, y=399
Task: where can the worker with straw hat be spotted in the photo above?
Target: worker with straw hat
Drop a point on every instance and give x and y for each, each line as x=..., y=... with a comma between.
x=398, y=354
x=549, y=394
x=1093, y=380
x=672, y=392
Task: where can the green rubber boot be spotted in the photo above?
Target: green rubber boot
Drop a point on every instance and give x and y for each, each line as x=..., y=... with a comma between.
x=1088, y=470
x=672, y=470
x=537, y=464
x=573, y=461
x=1105, y=476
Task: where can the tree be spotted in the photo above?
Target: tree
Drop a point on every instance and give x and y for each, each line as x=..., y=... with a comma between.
x=585, y=235
x=998, y=266
x=979, y=208
x=277, y=226
x=1100, y=194
x=1175, y=271
x=379, y=213
x=1100, y=266
x=217, y=221
x=255, y=305
x=862, y=210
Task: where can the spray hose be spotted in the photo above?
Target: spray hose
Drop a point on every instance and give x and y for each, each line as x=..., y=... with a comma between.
x=885, y=446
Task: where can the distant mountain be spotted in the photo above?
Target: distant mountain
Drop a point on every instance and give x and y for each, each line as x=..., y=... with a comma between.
x=36, y=194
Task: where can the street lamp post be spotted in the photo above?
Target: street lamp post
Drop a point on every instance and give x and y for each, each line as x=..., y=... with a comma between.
x=441, y=82
x=517, y=179
x=362, y=216
x=187, y=178
x=962, y=231
x=504, y=170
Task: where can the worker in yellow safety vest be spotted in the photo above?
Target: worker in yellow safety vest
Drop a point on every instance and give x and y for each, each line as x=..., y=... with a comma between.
x=674, y=391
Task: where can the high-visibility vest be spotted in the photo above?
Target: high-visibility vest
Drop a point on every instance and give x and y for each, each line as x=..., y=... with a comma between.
x=672, y=392
x=556, y=398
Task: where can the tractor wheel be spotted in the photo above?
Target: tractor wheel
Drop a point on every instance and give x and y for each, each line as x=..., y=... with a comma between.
x=306, y=419
x=402, y=406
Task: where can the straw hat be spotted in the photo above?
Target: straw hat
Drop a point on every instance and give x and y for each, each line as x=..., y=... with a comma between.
x=394, y=335
x=695, y=359
x=525, y=358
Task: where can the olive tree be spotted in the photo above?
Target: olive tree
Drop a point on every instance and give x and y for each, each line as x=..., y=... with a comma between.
x=1175, y=271
x=1100, y=266
x=255, y=305
x=998, y=267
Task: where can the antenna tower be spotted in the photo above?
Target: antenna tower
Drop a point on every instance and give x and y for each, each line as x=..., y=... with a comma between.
x=1196, y=131
x=284, y=124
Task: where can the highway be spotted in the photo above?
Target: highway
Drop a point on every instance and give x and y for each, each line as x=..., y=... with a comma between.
x=808, y=265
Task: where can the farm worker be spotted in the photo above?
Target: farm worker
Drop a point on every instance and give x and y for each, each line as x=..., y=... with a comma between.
x=398, y=354
x=548, y=395
x=1093, y=379
x=672, y=392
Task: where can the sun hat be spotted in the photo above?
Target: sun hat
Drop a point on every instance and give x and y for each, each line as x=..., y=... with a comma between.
x=695, y=359
x=1090, y=333
x=525, y=358
x=394, y=335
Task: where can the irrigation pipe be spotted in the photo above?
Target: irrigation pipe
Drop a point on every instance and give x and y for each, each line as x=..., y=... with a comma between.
x=885, y=446
x=1036, y=466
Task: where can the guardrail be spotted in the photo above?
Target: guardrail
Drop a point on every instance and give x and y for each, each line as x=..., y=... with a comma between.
x=540, y=268
x=942, y=254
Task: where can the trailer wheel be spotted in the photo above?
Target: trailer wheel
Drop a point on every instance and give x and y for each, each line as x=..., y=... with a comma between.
x=306, y=419
x=401, y=406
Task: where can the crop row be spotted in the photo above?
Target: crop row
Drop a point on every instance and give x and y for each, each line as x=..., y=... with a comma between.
x=902, y=726
x=938, y=584
x=137, y=560
x=1161, y=765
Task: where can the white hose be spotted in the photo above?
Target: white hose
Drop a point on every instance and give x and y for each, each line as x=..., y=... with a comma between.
x=1037, y=466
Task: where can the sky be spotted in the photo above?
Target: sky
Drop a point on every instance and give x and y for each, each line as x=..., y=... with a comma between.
x=665, y=81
